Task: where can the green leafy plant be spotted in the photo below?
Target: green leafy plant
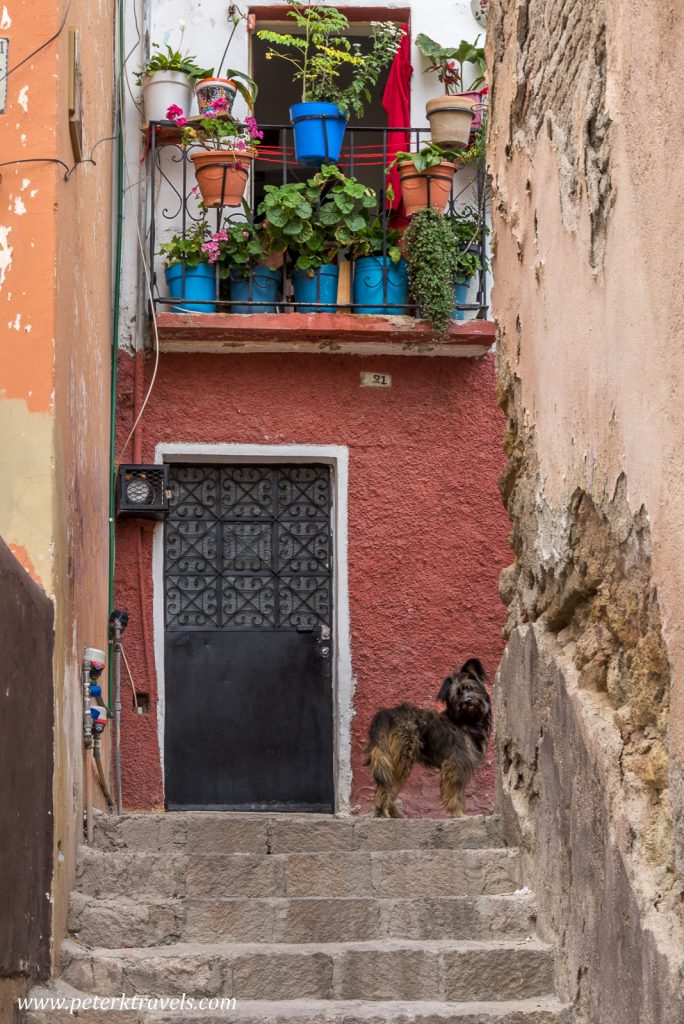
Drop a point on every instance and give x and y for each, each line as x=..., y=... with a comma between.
x=171, y=60
x=320, y=51
x=432, y=252
x=313, y=220
x=429, y=155
x=449, y=63
x=370, y=241
x=188, y=249
x=477, y=151
x=467, y=228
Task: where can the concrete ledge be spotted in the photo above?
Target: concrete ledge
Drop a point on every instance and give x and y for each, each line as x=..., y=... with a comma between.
x=327, y=333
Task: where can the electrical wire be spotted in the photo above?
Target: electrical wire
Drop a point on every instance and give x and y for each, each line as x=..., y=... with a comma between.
x=42, y=46
x=130, y=676
x=148, y=278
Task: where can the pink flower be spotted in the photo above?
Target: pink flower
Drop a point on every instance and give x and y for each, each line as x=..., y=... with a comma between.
x=181, y=121
x=253, y=128
x=174, y=112
x=212, y=251
x=245, y=234
x=240, y=144
x=220, y=236
x=220, y=104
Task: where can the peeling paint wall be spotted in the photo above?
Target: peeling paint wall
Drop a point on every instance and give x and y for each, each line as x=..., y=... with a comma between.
x=587, y=196
x=55, y=337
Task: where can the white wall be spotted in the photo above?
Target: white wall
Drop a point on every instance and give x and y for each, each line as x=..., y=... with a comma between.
x=205, y=33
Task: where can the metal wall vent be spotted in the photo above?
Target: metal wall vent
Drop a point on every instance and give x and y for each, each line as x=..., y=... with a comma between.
x=143, y=492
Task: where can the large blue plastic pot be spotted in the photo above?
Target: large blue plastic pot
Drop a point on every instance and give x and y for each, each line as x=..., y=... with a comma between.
x=321, y=287
x=460, y=297
x=263, y=289
x=200, y=284
x=318, y=132
x=380, y=286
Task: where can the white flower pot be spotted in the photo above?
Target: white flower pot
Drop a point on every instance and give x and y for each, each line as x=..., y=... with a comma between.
x=162, y=90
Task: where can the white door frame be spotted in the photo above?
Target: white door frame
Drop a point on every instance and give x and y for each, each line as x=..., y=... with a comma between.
x=337, y=457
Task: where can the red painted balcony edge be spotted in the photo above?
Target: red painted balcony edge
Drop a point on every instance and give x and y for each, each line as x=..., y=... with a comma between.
x=322, y=332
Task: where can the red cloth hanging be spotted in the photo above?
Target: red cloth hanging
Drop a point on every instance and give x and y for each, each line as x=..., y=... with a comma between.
x=396, y=101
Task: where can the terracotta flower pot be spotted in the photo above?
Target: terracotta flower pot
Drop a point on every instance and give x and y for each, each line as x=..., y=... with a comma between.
x=422, y=188
x=222, y=174
x=451, y=118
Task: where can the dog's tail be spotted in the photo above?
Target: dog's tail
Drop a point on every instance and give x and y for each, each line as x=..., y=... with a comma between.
x=377, y=753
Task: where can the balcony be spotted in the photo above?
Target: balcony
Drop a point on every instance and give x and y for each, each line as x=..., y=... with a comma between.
x=249, y=324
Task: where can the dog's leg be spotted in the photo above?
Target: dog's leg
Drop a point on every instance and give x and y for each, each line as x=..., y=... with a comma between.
x=452, y=789
x=390, y=768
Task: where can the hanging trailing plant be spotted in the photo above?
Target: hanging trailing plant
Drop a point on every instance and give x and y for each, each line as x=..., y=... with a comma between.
x=432, y=252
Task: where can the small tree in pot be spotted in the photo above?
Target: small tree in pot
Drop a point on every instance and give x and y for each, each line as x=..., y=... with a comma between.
x=318, y=55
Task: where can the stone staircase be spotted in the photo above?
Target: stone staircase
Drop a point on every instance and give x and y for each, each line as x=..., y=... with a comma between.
x=304, y=918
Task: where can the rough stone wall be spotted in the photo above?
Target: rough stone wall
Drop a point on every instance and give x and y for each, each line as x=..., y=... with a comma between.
x=590, y=715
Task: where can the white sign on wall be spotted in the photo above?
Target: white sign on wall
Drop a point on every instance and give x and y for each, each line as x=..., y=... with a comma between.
x=376, y=380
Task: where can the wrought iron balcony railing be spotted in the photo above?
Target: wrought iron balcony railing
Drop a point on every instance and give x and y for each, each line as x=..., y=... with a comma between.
x=174, y=210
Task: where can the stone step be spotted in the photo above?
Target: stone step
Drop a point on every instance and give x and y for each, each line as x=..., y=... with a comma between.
x=526, y=1011
x=133, y=922
x=226, y=832
x=384, y=873
x=387, y=970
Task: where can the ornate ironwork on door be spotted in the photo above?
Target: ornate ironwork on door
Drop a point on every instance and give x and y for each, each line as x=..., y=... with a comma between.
x=248, y=547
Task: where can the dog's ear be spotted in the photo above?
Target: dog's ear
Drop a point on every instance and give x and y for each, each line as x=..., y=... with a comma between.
x=442, y=695
x=474, y=667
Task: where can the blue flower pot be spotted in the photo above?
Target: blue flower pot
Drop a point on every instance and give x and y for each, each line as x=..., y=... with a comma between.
x=200, y=284
x=319, y=287
x=380, y=286
x=262, y=289
x=460, y=296
x=318, y=132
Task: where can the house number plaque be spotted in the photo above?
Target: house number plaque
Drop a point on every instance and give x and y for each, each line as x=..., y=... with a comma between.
x=376, y=380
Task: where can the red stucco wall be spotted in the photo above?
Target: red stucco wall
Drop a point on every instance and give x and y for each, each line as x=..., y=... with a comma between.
x=427, y=532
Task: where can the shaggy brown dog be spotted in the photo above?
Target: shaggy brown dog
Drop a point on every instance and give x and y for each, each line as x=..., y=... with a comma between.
x=454, y=740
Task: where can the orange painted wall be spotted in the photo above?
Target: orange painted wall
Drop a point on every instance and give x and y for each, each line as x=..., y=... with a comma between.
x=55, y=343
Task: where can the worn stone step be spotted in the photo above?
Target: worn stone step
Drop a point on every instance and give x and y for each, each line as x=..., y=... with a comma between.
x=226, y=832
x=385, y=873
x=133, y=922
x=526, y=1011
x=391, y=969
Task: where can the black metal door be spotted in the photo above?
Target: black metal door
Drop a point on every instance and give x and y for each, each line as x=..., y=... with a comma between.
x=248, y=640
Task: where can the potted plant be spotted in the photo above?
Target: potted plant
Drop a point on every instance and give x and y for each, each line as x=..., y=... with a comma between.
x=238, y=249
x=432, y=251
x=314, y=220
x=213, y=87
x=167, y=80
x=318, y=53
x=223, y=151
x=426, y=177
x=188, y=271
x=459, y=111
x=380, y=283
x=467, y=230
